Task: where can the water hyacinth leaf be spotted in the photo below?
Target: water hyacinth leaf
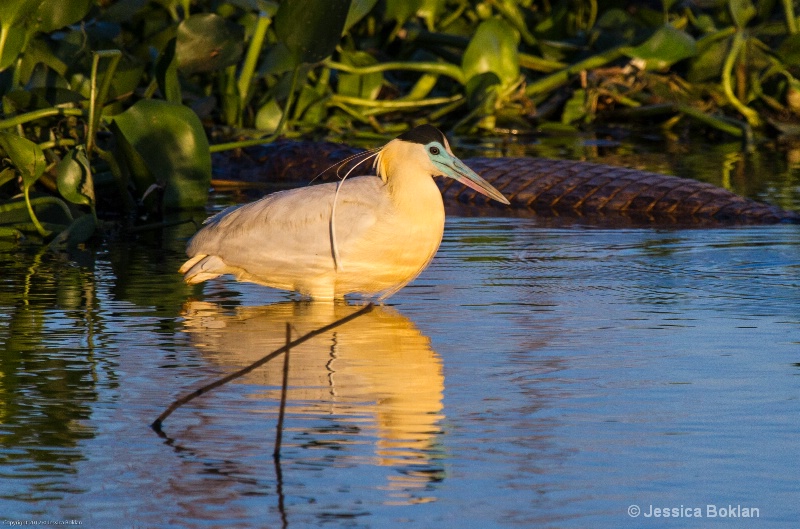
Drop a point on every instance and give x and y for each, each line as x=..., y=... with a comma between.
x=278, y=60
x=310, y=105
x=358, y=10
x=742, y=11
x=709, y=61
x=575, y=108
x=14, y=211
x=208, y=42
x=311, y=29
x=74, y=178
x=26, y=156
x=665, y=47
x=56, y=15
x=614, y=27
x=6, y=175
x=34, y=15
x=134, y=173
x=793, y=96
x=428, y=10
x=269, y=116
x=493, y=48
x=363, y=86
x=171, y=142
x=29, y=160
x=480, y=86
x=14, y=41
x=401, y=10
x=789, y=50
x=705, y=23
x=167, y=74
x=13, y=12
x=79, y=231
x=38, y=52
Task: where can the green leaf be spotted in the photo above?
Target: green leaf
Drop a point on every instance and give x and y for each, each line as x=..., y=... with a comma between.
x=51, y=16
x=172, y=144
x=742, y=11
x=310, y=105
x=167, y=74
x=358, y=10
x=74, y=177
x=709, y=61
x=13, y=12
x=278, y=60
x=789, y=50
x=79, y=231
x=665, y=47
x=311, y=29
x=14, y=41
x=208, y=42
x=29, y=160
x=269, y=116
x=493, y=48
x=21, y=19
x=7, y=175
x=481, y=88
x=575, y=108
x=363, y=86
x=402, y=10
x=26, y=156
x=705, y=23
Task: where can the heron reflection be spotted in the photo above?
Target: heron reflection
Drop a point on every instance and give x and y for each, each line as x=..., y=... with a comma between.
x=377, y=372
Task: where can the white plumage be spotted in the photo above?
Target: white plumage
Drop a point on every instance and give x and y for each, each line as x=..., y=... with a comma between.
x=383, y=231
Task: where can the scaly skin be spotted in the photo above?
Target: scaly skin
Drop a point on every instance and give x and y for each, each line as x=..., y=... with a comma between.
x=544, y=186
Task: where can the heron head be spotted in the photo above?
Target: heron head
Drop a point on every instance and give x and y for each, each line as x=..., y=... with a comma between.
x=430, y=147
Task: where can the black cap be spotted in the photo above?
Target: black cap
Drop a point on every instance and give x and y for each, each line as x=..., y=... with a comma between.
x=424, y=134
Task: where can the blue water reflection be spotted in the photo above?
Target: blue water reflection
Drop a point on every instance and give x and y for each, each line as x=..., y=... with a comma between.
x=536, y=375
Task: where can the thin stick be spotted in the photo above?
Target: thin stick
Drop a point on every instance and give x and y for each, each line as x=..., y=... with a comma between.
x=279, y=490
x=208, y=387
x=282, y=410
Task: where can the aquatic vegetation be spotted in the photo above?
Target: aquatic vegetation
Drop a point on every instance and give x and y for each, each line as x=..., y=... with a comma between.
x=107, y=107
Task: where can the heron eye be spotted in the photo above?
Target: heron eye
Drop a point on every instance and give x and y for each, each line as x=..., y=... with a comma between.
x=434, y=151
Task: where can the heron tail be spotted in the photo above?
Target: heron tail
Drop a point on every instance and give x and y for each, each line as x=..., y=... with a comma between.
x=202, y=268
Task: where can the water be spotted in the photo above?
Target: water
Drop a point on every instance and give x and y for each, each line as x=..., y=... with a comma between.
x=540, y=373
x=536, y=375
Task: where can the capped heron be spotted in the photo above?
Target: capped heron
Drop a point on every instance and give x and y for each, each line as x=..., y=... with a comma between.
x=369, y=235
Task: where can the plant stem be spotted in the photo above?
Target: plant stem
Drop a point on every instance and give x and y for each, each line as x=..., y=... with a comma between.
x=538, y=64
x=791, y=21
x=43, y=232
x=98, y=97
x=39, y=114
x=450, y=70
x=394, y=104
x=717, y=123
x=251, y=60
x=727, y=87
x=551, y=82
x=3, y=38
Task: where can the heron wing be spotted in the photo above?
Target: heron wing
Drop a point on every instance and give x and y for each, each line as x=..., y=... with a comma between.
x=289, y=232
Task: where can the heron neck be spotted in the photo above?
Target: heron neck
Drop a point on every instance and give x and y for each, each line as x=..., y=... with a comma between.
x=416, y=193
x=409, y=183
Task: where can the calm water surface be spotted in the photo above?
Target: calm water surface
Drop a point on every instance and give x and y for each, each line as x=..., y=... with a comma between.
x=535, y=375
